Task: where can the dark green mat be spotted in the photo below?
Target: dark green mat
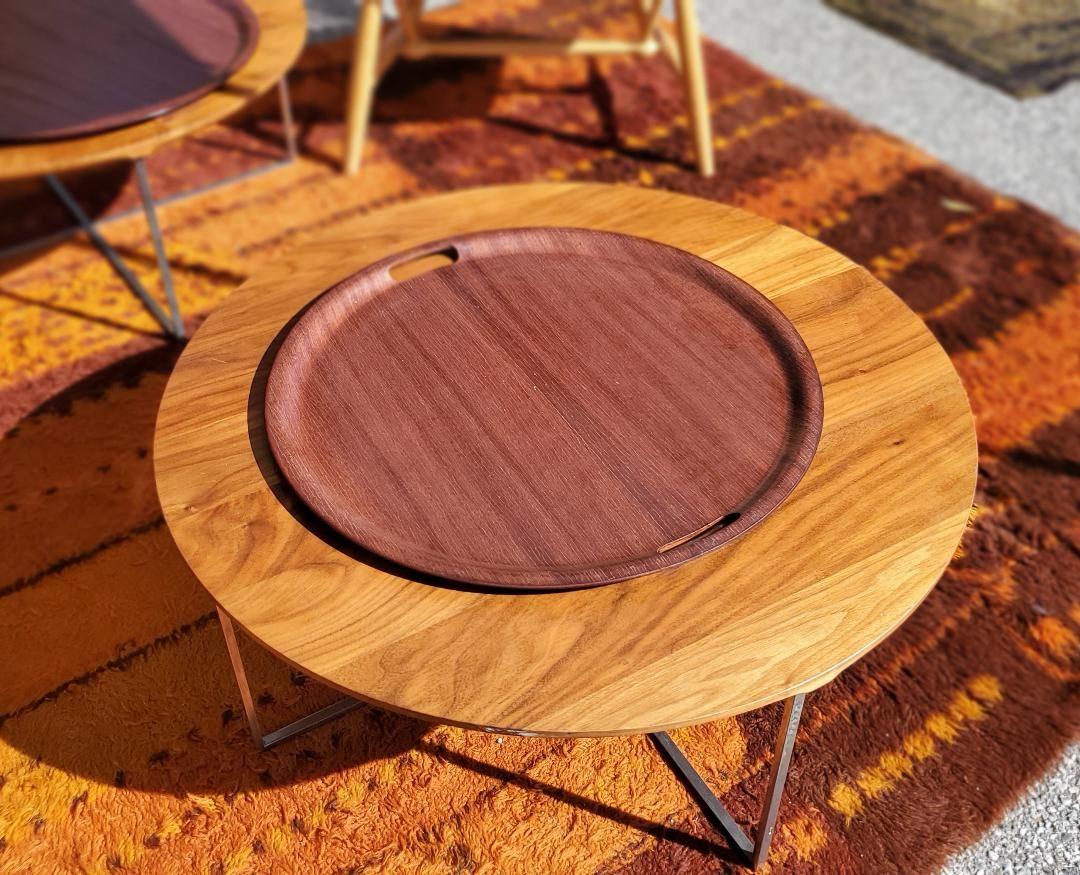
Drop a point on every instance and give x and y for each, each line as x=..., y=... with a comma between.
x=1024, y=47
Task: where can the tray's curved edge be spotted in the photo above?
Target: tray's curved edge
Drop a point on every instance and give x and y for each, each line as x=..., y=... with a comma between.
x=804, y=376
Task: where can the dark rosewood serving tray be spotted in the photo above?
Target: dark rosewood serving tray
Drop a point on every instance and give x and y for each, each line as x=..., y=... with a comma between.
x=556, y=408
x=75, y=67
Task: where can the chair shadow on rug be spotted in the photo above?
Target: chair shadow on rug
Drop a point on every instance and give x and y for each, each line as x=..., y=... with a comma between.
x=442, y=90
x=116, y=674
x=433, y=103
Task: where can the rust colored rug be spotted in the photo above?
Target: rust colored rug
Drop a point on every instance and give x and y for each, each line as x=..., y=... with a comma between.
x=122, y=743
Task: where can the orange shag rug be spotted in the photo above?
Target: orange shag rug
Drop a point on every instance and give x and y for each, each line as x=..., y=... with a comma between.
x=122, y=741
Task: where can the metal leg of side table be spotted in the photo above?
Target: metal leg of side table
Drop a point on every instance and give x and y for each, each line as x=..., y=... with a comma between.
x=159, y=247
x=755, y=850
x=311, y=721
x=171, y=322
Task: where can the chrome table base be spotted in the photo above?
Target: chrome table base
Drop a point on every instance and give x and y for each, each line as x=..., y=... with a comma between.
x=755, y=851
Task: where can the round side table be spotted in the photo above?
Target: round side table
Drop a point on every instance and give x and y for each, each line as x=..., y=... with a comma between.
x=771, y=616
x=282, y=31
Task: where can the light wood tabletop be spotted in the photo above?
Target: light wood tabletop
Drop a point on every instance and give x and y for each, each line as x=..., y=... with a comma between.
x=282, y=31
x=829, y=574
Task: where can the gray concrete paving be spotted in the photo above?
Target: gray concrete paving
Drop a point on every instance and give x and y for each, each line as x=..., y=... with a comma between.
x=1025, y=148
x=1038, y=836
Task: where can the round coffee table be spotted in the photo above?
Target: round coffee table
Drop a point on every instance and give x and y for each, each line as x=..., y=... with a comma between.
x=769, y=617
x=282, y=29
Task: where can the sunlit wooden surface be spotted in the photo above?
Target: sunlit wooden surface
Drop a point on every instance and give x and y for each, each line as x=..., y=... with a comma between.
x=833, y=571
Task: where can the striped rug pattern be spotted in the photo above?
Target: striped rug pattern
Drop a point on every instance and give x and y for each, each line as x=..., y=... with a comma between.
x=122, y=743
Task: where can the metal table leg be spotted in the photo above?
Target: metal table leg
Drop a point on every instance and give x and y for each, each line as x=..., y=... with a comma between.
x=311, y=721
x=159, y=247
x=171, y=322
x=757, y=850
x=287, y=119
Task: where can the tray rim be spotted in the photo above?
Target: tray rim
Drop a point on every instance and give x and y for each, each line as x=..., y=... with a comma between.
x=248, y=20
x=493, y=576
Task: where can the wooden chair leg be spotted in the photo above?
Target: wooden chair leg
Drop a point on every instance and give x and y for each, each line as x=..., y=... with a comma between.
x=693, y=70
x=407, y=14
x=363, y=78
x=649, y=16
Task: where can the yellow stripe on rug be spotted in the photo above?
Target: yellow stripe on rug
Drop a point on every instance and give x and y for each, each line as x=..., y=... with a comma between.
x=967, y=705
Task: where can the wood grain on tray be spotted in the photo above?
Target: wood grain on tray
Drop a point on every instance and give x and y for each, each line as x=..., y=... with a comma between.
x=549, y=408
